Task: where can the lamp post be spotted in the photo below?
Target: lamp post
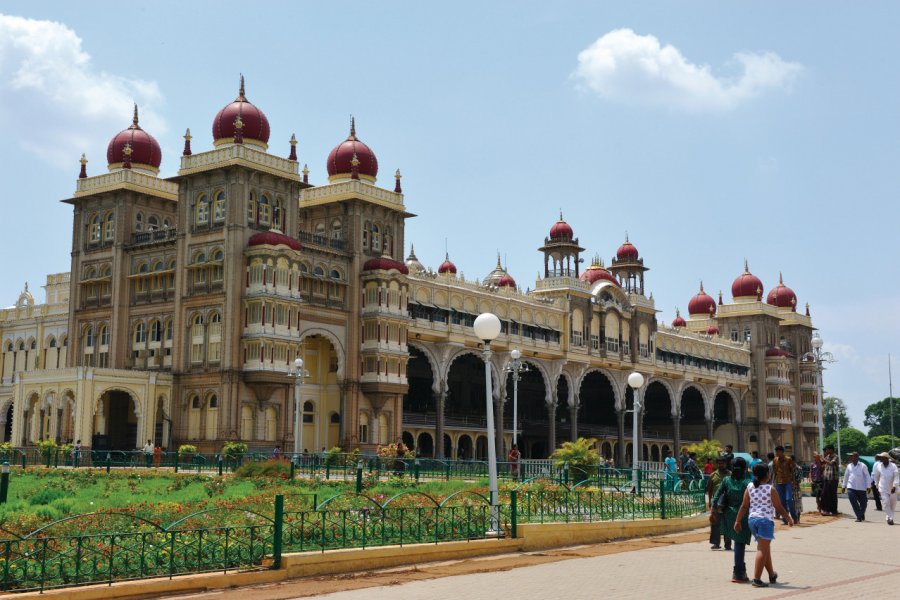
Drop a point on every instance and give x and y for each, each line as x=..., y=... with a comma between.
x=487, y=327
x=821, y=357
x=298, y=373
x=635, y=382
x=516, y=368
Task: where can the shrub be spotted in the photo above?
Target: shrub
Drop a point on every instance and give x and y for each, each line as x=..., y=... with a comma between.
x=46, y=496
x=581, y=456
x=852, y=440
x=276, y=469
x=187, y=450
x=46, y=447
x=234, y=450
x=390, y=451
x=705, y=450
x=880, y=443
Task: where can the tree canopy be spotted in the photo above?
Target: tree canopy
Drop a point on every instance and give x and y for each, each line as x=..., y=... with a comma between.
x=852, y=440
x=878, y=417
x=881, y=443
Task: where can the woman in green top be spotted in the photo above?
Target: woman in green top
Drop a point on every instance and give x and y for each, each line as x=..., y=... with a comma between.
x=733, y=488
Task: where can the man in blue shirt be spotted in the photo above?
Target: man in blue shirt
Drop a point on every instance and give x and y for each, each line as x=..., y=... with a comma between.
x=755, y=460
x=671, y=468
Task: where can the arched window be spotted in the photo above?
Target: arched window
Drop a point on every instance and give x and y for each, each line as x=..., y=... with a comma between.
x=52, y=342
x=335, y=274
x=95, y=228
x=278, y=213
x=33, y=345
x=213, y=401
x=320, y=228
x=158, y=266
x=376, y=238
x=195, y=403
x=104, y=336
x=201, y=211
x=169, y=329
x=309, y=410
x=336, y=232
x=109, y=228
x=9, y=348
x=265, y=211
x=22, y=346
x=219, y=208
x=251, y=209
x=139, y=222
x=155, y=331
x=140, y=333
x=88, y=338
x=153, y=223
x=166, y=223
x=144, y=268
x=319, y=272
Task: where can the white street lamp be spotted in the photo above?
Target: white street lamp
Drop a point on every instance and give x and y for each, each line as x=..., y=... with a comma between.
x=635, y=382
x=487, y=327
x=820, y=357
x=298, y=373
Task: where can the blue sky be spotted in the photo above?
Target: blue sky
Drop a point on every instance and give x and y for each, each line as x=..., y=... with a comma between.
x=710, y=132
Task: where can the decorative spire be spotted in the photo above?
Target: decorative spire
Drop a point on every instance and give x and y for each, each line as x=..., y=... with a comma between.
x=626, y=238
x=780, y=280
x=83, y=162
x=412, y=250
x=720, y=297
x=134, y=119
x=352, y=135
x=807, y=309
x=187, y=142
x=701, y=287
x=354, y=167
x=293, y=155
x=305, y=174
x=26, y=287
x=560, y=215
x=126, y=156
x=241, y=96
x=397, y=188
x=239, y=125
x=746, y=267
x=499, y=266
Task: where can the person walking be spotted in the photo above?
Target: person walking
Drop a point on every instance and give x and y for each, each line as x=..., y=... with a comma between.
x=886, y=478
x=754, y=458
x=691, y=470
x=795, y=488
x=712, y=487
x=815, y=478
x=513, y=458
x=856, y=483
x=783, y=469
x=148, y=454
x=725, y=504
x=760, y=499
x=708, y=468
x=729, y=456
x=831, y=468
x=671, y=469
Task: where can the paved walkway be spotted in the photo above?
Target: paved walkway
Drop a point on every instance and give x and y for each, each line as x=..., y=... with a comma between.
x=838, y=559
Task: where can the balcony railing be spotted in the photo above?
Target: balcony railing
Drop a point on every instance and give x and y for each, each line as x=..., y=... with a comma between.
x=152, y=237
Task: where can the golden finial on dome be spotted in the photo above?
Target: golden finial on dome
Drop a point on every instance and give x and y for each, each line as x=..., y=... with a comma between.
x=187, y=142
x=780, y=280
x=746, y=267
x=293, y=139
x=397, y=188
x=352, y=128
x=305, y=174
x=701, y=287
x=241, y=89
x=83, y=161
x=134, y=119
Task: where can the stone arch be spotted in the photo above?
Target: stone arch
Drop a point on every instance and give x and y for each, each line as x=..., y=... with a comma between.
x=433, y=362
x=735, y=401
x=496, y=380
x=673, y=397
x=331, y=337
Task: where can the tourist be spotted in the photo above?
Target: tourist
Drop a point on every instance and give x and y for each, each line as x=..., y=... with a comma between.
x=712, y=486
x=76, y=452
x=876, y=494
x=690, y=468
x=726, y=503
x=148, y=454
x=856, y=483
x=729, y=456
x=783, y=468
x=770, y=458
x=887, y=479
x=760, y=499
x=815, y=479
x=276, y=453
x=754, y=459
x=513, y=458
x=671, y=469
x=831, y=468
x=708, y=468
x=795, y=488
x=157, y=456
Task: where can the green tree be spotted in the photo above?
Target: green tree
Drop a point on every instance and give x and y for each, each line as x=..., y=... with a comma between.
x=706, y=450
x=834, y=411
x=581, y=456
x=878, y=417
x=852, y=440
x=879, y=444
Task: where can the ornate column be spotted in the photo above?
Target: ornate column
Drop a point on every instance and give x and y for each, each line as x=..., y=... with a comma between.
x=620, y=444
x=573, y=416
x=551, y=431
x=709, y=429
x=440, y=400
x=676, y=434
x=740, y=436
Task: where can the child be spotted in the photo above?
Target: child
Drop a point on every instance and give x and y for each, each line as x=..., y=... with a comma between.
x=760, y=498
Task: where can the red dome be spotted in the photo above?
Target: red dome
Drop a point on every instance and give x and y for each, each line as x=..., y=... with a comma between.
x=678, y=321
x=507, y=281
x=340, y=161
x=776, y=352
x=747, y=285
x=255, y=125
x=447, y=266
x=561, y=230
x=712, y=330
x=782, y=296
x=144, y=148
x=385, y=263
x=595, y=273
x=273, y=238
x=627, y=251
x=702, y=304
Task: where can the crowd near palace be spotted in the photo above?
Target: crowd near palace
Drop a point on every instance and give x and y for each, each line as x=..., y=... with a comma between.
x=190, y=297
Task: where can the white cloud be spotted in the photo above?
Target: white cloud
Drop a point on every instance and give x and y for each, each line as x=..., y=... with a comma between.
x=56, y=101
x=625, y=67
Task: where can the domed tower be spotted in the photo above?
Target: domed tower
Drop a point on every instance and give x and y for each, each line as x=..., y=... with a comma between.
x=447, y=267
x=412, y=261
x=561, y=251
x=240, y=122
x=499, y=277
x=352, y=159
x=747, y=287
x=782, y=296
x=702, y=305
x=596, y=272
x=134, y=148
x=629, y=268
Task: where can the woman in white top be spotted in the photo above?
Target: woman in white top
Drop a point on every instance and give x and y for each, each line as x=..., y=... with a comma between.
x=760, y=499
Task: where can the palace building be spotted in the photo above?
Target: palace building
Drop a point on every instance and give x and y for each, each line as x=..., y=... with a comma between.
x=189, y=298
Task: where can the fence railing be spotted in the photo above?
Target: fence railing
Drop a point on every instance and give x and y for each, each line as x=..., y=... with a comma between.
x=52, y=557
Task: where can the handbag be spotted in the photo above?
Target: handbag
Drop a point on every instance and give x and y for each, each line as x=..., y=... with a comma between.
x=722, y=502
